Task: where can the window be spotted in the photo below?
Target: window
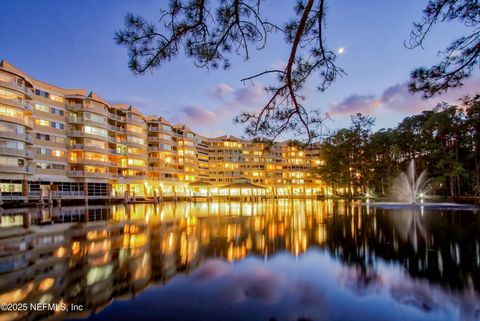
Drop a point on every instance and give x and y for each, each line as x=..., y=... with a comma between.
x=136, y=162
x=10, y=112
x=10, y=95
x=95, y=131
x=43, y=108
x=42, y=93
x=56, y=98
x=11, y=161
x=43, y=136
x=45, y=165
x=135, y=140
x=135, y=129
x=57, y=125
x=42, y=122
x=96, y=118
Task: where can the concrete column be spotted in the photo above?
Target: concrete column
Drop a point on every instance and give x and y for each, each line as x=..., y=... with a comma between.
x=85, y=192
x=26, y=219
x=25, y=190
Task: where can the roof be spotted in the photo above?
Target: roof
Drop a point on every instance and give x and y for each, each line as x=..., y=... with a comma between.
x=242, y=185
x=199, y=183
x=97, y=98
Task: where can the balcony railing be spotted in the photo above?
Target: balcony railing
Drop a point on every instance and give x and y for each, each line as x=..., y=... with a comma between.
x=18, y=87
x=92, y=162
x=116, y=117
x=135, y=120
x=16, y=136
x=80, y=173
x=87, y=107
x=16, y=152
x=10, y=197
x=13, y=102
x=17, y=169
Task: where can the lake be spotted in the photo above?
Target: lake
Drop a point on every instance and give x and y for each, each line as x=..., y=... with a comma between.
x=270, y=260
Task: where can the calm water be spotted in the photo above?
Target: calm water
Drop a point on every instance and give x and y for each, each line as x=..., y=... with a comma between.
x=285, y=260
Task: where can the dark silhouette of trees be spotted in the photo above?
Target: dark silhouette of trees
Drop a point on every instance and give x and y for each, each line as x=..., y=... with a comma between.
x=209, y=32
x=445, y=141
x=459, y=59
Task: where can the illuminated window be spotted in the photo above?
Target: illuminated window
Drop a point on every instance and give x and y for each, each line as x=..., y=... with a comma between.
x=136, y=162
x=43, y=108
x=42, y=122
x=96, y=131
x=56, y=98
x=136, y=140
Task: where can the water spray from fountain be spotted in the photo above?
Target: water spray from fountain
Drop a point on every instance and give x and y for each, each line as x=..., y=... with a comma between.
x=409, y=188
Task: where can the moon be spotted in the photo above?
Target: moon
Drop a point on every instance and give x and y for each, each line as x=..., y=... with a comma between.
x=341, y=50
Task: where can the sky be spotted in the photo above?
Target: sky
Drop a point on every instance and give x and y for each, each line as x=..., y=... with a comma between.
x=70, y=44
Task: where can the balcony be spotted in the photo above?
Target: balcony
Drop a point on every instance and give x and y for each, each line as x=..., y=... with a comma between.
x=90, y=148
x=116, y=117
x=79, y=133
x=153, y=139
x=16, y=136
x=91, y=162
x=17, y=87
x=117, y=129
x=17, y=169
x=80, y=173
x=11, y=197
x=135, y=120
x=13, y=102
x=141, y=146
x=16, y=152
x=18, y=120
x=87, y=107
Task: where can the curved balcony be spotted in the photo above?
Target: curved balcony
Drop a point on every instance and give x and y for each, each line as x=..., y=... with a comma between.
x=135, y=120
x=87, y=107
x=91, y=162
x=17, y=120
x=154, y=139
x=20, y=88
x=136, y=155
x=90, y=148
x=16, y=152
x=81, y=173
x=137, y=167
x=82, y=120
x=116, y=117
x=15, y=136
x=17, y=169
x=132, y=144
x=117, y=129
x=79, y=133
x=160, y=129
x=15, y=103
x=137, y=134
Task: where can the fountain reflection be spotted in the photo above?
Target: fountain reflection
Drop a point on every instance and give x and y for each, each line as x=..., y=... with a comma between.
x=91, y=255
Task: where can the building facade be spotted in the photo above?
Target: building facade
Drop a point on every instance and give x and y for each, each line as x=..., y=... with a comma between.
x=57, y=142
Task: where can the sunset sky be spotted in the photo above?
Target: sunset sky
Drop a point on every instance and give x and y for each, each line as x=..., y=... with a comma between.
x=70, y=44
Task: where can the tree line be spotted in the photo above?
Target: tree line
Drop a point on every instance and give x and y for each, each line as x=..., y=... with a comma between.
x=445, y=141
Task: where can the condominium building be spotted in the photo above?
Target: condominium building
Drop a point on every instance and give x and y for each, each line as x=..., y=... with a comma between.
x=57, y=142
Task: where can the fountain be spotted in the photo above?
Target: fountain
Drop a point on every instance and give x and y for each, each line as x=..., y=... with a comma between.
x=411, y=189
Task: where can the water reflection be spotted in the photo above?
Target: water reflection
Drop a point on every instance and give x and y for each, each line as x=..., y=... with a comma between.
x=423, y=264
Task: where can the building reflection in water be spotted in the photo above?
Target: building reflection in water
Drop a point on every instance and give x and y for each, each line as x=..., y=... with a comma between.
x=91, y=255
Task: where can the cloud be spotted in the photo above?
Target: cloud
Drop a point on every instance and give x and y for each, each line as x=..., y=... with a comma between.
x=397, y=98
x=355, y=104
x=220, y=91
x=197, y=113
x=228, y=102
